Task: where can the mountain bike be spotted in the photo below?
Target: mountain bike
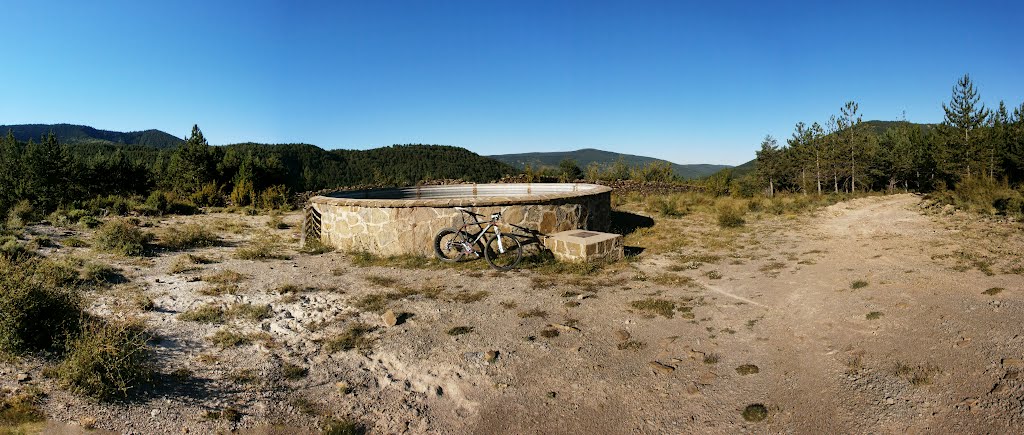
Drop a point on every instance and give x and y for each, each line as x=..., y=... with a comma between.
x=502, y=251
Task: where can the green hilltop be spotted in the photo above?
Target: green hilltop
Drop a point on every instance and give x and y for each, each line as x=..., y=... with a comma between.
x=586, y=156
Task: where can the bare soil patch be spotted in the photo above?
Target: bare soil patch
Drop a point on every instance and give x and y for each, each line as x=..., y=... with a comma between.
x=779, y=338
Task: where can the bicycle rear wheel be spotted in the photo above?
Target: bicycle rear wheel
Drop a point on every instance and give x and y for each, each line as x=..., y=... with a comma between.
x=506, y=260
x=450, y=245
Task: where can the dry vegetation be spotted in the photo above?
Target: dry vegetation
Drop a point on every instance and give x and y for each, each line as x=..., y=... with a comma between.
x=718, y=301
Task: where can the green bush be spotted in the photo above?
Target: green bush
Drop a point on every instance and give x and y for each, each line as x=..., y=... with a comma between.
x=110, y=205
x=730, y=216
x=121, y=237
x=208, y=196
x=12, y=249
x=242, y=194
x=38, y=311
x=161, y=202
x=187, y=237
x=1009, y=203
x=19, y=215
x=89, y=222
x=275, y=197
x=107, y=361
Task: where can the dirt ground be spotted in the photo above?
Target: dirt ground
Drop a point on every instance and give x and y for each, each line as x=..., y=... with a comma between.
x=877, y=315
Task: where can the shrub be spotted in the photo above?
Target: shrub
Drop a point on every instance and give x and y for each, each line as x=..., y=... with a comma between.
x=263, y=247
x=20, y=214
x=11, y=249
x=666, y=206
x=205, y=314
x=102, y=274
x=275, y=197
x=187, y=237
x=110, y=205
x=89, y=222
x=208, y=196
x=342, y=427
x=121, y=237
x=35, y=314
x=314, y=246
x=21, y=408
x=242, y=194
x=158, y=200
x=730, y=216
x=354, y=337
x=107, y=361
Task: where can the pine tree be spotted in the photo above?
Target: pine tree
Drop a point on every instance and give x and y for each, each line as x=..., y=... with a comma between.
x=193, y=165
x=998, y=139
x=964, y=117
x=50, y=174
x=10, y=174
x=769, y=163
x=1014, y=152
x=848, y=124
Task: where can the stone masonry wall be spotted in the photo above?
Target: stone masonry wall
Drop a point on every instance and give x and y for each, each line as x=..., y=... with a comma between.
x=411, y=230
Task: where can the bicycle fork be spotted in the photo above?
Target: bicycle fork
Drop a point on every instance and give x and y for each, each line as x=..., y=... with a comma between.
x=501, y=246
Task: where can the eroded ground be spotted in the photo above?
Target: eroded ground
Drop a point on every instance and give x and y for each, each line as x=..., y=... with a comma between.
x=876, y=315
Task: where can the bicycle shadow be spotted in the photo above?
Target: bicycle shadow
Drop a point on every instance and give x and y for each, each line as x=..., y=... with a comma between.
x=622, y=222
x=528, y=237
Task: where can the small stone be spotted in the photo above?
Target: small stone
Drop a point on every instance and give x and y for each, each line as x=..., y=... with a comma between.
x=661, y=368
x=707, y=378
x=692, y=389
x=154, y=412
x=1013, y=362
x=890, y=401
x=622, y=335
x=389, y=318
x=24, y=377
x=490, y=356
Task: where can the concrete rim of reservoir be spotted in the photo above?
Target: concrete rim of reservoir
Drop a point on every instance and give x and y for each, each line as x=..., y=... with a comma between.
x=462, y=195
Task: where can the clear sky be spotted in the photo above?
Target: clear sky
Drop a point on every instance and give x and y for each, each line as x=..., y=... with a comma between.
x=691, y=82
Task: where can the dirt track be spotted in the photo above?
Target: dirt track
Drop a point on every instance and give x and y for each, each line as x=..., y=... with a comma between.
x=937, y=356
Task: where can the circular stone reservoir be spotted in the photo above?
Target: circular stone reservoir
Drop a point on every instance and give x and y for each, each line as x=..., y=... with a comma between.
x=404, y=220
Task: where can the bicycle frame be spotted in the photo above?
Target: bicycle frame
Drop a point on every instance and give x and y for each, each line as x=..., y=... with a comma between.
x=489, y=224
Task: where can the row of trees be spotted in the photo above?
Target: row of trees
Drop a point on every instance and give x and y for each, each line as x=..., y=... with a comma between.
x=50, y=175
x=849, y=155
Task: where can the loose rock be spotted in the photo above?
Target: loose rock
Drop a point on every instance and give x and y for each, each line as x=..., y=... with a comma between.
x=661, y=368
x=389, y=318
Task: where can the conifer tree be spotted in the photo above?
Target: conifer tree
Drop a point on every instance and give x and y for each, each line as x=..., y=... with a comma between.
x=769, y=163
x=964, y=116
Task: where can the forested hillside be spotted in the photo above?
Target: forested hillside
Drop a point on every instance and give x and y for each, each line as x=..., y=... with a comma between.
x=588, y=157
x=76, y=134
x=49, y=174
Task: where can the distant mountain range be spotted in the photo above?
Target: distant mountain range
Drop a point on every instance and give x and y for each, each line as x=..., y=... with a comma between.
x=587, y=156
x=74, y=134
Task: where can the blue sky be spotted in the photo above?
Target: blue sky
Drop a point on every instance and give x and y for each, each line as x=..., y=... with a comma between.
x=691, y=82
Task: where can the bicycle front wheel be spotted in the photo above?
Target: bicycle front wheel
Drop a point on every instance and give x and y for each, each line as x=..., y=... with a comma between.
x=506, y=256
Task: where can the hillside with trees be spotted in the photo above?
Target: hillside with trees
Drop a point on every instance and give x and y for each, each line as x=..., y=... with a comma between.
x=81, y=134
x=48, y=174
x=975, y=148
x=590, y=157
